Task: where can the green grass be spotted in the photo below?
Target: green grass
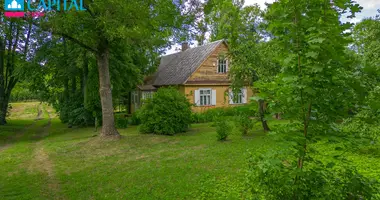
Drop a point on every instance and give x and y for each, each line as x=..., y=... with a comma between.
x=47, y=160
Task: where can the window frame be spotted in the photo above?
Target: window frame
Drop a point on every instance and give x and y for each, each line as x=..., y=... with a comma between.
x=222, y=64
x=147, y=95
x=240, y=97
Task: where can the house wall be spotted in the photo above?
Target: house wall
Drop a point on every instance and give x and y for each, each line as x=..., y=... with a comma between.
x=221, y=99
x=207, y=72
x=207, y=76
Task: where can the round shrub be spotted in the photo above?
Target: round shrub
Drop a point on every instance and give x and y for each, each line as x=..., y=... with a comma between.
x=167, y=113
x=223, y=129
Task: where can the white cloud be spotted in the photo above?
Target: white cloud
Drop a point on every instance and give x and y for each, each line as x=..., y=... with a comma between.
x=369, y=4
x=14, y=5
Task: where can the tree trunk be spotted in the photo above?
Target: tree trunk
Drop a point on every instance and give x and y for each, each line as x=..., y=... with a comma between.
x=4, y=109
x=2, y=92
x=108, y=128
x=262, y=116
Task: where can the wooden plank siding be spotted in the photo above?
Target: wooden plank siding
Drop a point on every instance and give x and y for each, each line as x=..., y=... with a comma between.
x=221, y=99
x=208, y=72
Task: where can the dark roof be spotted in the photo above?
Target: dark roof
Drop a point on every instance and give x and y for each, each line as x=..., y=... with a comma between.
x=176, y=68
x=146, y=87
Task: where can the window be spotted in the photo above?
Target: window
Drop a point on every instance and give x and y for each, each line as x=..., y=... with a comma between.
x=147, y=95
x=222, y=65
x=135, y=97
x=239, y=99
x=205, y=97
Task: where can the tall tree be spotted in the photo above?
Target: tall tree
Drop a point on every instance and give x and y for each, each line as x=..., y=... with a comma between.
x=15, y=36
x=313, y=91
x=111, y=28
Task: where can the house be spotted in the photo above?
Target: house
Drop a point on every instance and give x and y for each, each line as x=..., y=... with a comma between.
x=201, y=73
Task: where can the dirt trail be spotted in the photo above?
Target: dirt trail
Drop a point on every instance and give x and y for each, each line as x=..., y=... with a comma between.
x=42, y=163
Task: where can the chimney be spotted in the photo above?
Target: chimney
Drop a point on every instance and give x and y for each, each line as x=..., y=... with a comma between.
x=185, y=46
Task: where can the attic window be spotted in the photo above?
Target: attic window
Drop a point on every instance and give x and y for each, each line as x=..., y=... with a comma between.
x=222, y=65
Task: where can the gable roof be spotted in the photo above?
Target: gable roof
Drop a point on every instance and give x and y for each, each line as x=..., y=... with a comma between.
x=176, y=68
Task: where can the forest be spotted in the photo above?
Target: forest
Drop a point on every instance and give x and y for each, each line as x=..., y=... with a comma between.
x=76, y=69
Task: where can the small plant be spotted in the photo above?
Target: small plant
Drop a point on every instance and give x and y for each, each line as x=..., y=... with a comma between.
x=223, y=129
x=245, y=124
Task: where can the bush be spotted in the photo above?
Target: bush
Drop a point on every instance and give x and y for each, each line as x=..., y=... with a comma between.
x=271, y=177
x=81, y=117
x=121, y=121
x=223, y=129
x=135, y=119
x=167, y=113
x=245, y=124
x=211, y=115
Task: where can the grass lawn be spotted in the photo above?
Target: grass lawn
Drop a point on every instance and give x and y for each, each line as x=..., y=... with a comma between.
x=43, y=159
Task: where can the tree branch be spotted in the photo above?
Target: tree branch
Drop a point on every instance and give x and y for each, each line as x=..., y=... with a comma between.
x=80, y=43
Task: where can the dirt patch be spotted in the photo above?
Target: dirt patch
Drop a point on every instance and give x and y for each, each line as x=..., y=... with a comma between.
x=5, y=147
x=42, y=163
x=40, y=112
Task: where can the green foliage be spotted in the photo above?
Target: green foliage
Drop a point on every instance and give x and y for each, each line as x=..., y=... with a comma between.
x=22, y=93
x=211, y=115
x=222, y=188
x=245, y=124
x=167, y=113
x=274, y=176
x=80, y=117
x=223, y=129
x=135, y=118
x=121, y=121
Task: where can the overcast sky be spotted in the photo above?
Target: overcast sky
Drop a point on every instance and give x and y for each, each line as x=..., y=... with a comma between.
x=369, y=7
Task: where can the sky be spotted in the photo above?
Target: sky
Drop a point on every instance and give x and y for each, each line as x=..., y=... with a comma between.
x=369, y=10
x=369, y=7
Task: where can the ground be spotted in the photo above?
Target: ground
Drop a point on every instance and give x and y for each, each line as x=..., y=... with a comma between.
x=41, y=158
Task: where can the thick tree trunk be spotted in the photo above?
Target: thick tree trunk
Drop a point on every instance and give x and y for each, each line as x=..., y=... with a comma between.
x=262, y=116
x=108, y=128
x=3, y=113
x=2, y=92
x=4, y=109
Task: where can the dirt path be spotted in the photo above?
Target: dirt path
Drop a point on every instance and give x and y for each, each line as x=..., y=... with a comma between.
x=42, y=163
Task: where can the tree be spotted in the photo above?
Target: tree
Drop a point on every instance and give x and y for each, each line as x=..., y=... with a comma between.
x=251, y=56
x=15, y=37
x=114, y=29
x=313, y=91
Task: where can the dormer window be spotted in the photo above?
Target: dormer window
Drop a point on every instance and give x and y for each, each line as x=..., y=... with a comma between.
x=222, y=65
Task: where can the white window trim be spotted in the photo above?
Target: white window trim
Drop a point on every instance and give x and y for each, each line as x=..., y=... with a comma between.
x=212, y=94
x=200, y=95
x=217, y=66
x=147, y=95
x=243, y=97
